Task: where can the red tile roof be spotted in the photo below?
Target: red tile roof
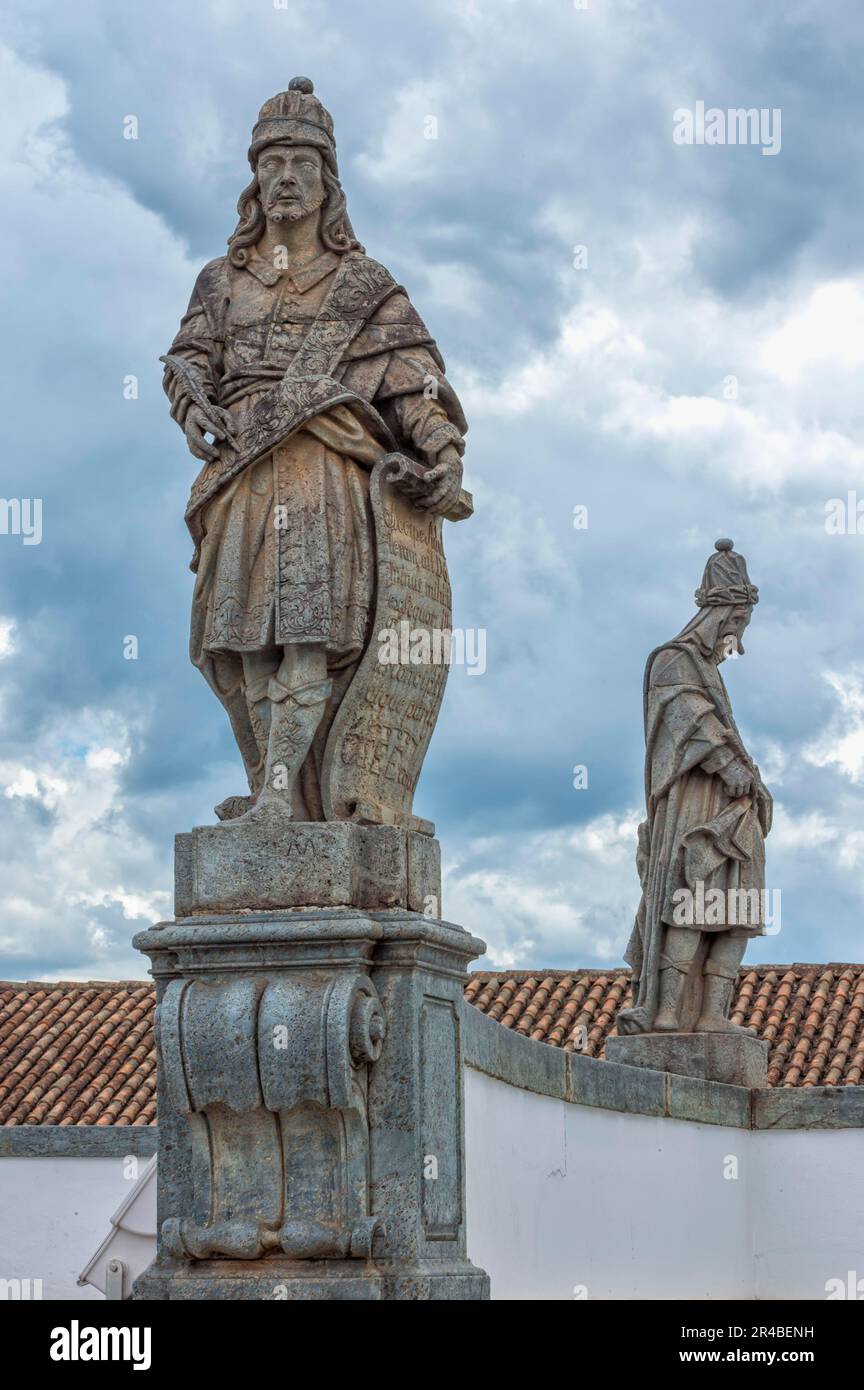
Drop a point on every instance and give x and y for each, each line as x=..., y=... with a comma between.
x=82, y=1053
x=811, y=1015
x=77, y=1053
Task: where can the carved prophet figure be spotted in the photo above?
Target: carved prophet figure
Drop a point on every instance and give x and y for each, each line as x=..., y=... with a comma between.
x=701, y=853
x=306, y=365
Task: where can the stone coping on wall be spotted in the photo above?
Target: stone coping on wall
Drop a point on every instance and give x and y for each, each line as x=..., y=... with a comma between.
x=78, y=1141
x=550, y=1071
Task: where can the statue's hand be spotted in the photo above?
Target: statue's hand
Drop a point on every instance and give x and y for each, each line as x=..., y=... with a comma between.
x=764, y=805
x=737, y=779
x=445, y=479
x=198, y=423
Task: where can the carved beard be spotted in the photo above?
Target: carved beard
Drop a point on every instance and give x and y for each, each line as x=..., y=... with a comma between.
x=306, y=204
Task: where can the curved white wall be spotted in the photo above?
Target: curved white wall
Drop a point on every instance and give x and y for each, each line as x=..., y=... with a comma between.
x=632, y=1206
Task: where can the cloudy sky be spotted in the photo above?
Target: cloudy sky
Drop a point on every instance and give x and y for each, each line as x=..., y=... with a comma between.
x=695, y=371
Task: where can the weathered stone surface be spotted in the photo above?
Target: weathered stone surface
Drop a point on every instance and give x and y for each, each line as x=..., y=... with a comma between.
x=611, y=1087
x=270, y=862
x=379, y=737
x=331, y=441
x=310, y=1106
x=321, y=1280
x=809, y=1107
x=78, y=1141
x=701, y=850
x=731, y=1058
x=708, y=1102
x=606, y=1085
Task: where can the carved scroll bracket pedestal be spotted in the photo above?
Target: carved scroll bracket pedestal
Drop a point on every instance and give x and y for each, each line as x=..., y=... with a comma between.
x=310, y=1077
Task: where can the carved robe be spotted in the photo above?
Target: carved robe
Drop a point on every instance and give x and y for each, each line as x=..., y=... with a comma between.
x=696, y=837
x=284, y=549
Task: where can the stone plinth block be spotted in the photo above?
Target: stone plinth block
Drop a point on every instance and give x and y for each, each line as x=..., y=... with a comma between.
x=272, y=862
x=732, y=1058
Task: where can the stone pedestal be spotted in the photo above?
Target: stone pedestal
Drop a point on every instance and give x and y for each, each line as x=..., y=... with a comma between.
x=310, y=1071
x=270, y=863
x=732, y=1058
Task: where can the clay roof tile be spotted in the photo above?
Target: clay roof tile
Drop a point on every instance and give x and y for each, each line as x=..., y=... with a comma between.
x=82, y=1052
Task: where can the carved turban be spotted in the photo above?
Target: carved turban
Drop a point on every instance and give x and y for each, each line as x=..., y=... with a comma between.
x=725, y=580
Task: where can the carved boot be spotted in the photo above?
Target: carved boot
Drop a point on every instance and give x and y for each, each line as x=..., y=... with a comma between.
x=673, y=978
x=294, y=718
x=716, y=999
x=251, y=738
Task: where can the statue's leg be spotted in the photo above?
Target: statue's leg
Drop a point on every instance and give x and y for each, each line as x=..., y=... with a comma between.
x=223, y=672
x=721, y=972
x=258, y=670
x=297, y=695
x=679, y=947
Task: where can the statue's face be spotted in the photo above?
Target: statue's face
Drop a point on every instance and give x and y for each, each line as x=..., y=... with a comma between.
x=291, y=181
x=730, y=641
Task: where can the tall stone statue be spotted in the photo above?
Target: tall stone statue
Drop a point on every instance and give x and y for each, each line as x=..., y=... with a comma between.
x=309, y=1054
x=307, y=366
x=701, y=850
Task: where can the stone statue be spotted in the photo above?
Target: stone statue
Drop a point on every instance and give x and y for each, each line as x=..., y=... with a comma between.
x=309, y=993
x=701, y=854
x=334, y=453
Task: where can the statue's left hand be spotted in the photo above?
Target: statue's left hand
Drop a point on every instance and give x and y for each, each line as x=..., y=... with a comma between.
x=445, y=478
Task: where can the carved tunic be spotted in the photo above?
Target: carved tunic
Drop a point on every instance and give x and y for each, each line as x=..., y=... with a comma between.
x=285, y=547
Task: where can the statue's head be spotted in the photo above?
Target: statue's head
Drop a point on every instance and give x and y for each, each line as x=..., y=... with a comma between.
x=725, y=600
x=293, y=159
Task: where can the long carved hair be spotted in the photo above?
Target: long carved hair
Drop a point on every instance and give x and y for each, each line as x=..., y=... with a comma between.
x=337, y=233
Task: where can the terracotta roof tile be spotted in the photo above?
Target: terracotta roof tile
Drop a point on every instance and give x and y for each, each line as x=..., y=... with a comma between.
x=77, y=1053
x=811, y=1015
x=82, y=1053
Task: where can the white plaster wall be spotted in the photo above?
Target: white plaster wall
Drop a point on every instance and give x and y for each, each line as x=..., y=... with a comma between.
x=635, y=1207
x=629, y=1206
x=55, y=1213
x=809, y=1201
x=558, y=1196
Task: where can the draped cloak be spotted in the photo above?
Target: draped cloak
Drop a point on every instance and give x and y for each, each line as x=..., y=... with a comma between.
x=696, y=836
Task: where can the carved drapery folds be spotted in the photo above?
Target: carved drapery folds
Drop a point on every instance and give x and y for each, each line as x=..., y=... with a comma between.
x=271, y=1072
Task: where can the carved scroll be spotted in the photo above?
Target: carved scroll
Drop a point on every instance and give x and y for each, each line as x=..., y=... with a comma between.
x=379, y=737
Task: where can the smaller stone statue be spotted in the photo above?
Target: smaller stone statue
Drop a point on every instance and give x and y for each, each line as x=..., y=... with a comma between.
x=701, y=853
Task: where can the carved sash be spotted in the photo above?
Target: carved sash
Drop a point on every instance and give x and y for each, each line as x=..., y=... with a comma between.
x=308, y=388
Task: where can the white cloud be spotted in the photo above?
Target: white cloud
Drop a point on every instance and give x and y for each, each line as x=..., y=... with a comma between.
x=559, y=897
x=828, y=331
x=76, y=866
x=841, y=745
